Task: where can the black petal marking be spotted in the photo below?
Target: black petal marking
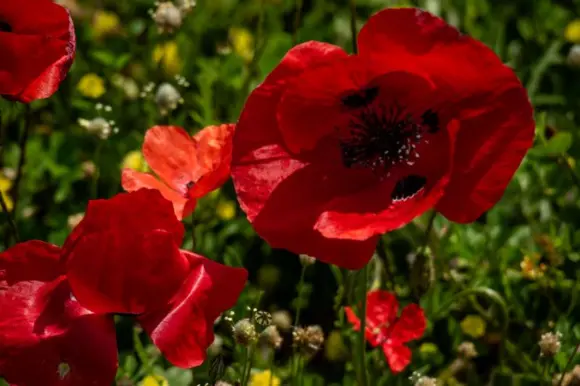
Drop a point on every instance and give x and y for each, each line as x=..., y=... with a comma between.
x=407, y=187
x=190, y=185
x=5, y=27
x=361, y=98
x=431, y=120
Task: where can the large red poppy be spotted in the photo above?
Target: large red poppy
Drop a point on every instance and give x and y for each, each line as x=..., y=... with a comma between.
x=385, y=329
x=333, y=149
x=188, y=167
x=37, y=41
x=46, y=337
x=124, y=257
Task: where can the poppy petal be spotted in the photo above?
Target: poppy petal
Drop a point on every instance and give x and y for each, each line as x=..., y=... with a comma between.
x=170, y=152
x=410, y=325
x=30, y=260
x=398, y=356
x=139, y=212
x=184, y=329
x=493, y=110
x=496, y=132
x=41, y=47
x=372, y=335
x=132, y=180
x=214, y=157
x=125, y=272
x=44, y=330
x=382, y=309
x=271, y=184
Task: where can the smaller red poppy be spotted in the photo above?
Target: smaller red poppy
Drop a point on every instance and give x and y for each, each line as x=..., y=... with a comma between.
x=385, y=329
x=46, y=337
x=124, y=257
x=37, y=41
x=188, y=167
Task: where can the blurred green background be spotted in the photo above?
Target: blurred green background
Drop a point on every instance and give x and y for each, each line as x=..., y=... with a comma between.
x=523, y=255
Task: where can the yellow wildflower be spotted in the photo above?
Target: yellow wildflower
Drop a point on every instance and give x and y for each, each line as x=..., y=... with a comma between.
x=91, y=86
x=154, y=380
x=263, y=379
x=105, y=23
x=226, y=210
x=473, y=325
x=134, y=160
x=572, y=32
x=5, y=185
x=242, y=43
x=168, y=54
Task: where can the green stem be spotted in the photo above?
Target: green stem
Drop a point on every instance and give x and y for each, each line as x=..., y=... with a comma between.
x=362, y=297
x=568, y=364
x=11, y=222
x=295, y=356
x=353, y=26
x=22, y=158
x=95, y=181
x=563, y=160
x=147, y=365
x=247, y=366
x=382, y=253
x=428, y=230
x=271, y=380
x=297, y=17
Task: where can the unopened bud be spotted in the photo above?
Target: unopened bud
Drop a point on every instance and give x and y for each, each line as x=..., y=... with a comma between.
x=422, y=275
x=271, y=337
x=282, y=320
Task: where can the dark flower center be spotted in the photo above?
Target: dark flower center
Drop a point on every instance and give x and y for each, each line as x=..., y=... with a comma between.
x=5, y=27
x=380, y=139
x=407, y=187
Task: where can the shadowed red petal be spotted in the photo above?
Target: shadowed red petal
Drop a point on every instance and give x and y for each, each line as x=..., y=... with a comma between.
x=126, y=272
x=170, y=152
x=30, y=260
x=184, y=329
x=42, y=326
x=281, y=195
x=496, y=121
x=410, y=325
x=138, y=212
x=398, y=356
x=214, y=157
x=132, y=180
x=382, y=309
x=40, y=48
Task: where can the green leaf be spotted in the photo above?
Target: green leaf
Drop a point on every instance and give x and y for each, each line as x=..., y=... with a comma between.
x=557, y=145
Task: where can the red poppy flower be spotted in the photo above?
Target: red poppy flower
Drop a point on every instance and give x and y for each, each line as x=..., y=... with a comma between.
x=385, y=329
x=124, y=257
x=46, y=337
x=189, y=167
x=333, y=149
x=37, y=41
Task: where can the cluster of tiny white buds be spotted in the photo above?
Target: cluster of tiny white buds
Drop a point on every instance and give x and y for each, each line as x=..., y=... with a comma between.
x=419, y=379
x=550, y=344
x=147, y=90
x=229, y=318
x=167, y=98
x=102, y=107
x=99, y=126
x=181, y=81
x=185, y=5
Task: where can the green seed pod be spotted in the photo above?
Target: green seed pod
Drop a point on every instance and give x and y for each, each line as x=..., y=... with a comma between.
x=422, y=275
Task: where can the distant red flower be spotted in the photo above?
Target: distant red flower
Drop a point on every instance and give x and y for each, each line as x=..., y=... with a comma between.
x=385, y=329
x=332, y=150
x=46, y=337
x=124, y=257
x=189, y=167
x=37, y=41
